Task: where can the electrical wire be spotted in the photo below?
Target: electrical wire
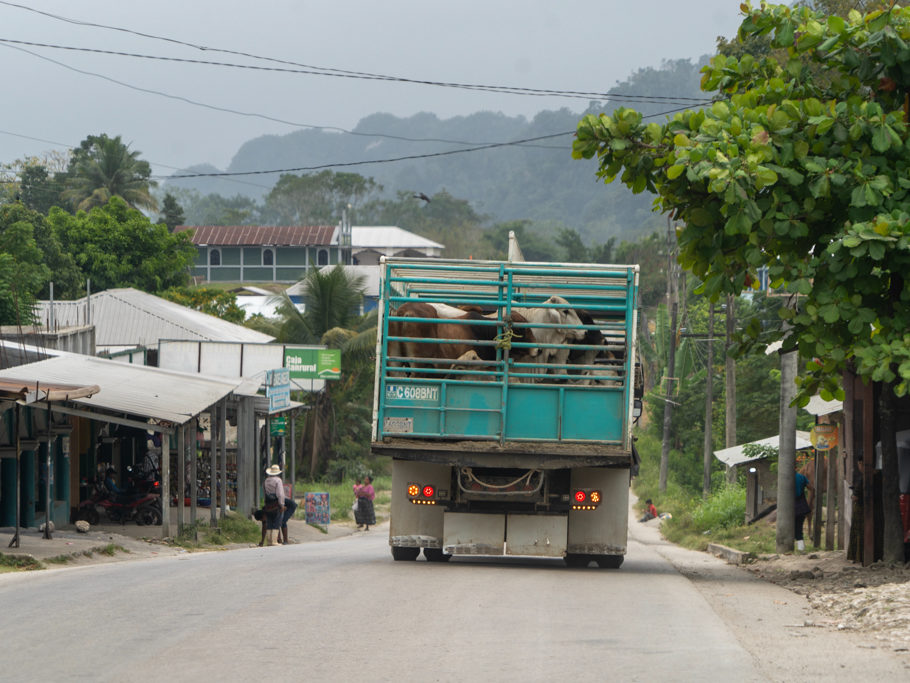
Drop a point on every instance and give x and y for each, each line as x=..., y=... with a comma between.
x=503, y=90
x=227, y=110
x=329, y=71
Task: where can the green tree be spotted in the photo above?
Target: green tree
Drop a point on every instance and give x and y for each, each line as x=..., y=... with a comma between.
x=104, y=167
x=332, y=301
x=209, y=300
x=61, y=267
x=801, y=168
x=117, y=246
x=171, y=212
x=22, y=271
x=316, y=199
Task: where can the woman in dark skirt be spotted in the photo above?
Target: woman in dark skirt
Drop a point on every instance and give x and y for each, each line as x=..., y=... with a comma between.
x=364, y=515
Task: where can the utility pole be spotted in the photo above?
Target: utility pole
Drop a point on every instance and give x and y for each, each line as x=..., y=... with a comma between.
x=673, y=304
x=709, y=399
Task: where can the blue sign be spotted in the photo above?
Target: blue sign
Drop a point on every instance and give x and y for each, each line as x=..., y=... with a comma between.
x=317, y=508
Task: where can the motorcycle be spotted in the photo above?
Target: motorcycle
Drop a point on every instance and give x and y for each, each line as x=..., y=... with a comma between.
x=141, y=503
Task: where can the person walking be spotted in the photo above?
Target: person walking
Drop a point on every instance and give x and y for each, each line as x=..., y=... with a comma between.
x=801, y=509
x=365, y=514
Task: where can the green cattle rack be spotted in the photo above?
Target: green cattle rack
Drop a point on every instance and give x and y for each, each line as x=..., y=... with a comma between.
x=509, y=396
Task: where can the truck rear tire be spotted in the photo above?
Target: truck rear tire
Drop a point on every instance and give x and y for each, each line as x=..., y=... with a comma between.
x=610, y=561
x=577, y=561
x=401, y=554
x=436, y=555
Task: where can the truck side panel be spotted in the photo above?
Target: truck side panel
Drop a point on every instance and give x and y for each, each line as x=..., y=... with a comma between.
x=602, y=531
x=410, y=525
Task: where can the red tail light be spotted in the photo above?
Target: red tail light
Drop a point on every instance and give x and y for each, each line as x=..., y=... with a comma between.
x=428, y=491
x=580, y=496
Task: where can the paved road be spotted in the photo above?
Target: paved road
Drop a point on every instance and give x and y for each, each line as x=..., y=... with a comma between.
x=342, y=610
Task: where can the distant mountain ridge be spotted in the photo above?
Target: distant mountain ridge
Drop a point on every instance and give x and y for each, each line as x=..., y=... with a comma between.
x=538, y=180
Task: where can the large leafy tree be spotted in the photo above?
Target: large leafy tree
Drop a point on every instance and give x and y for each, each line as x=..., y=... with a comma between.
x=22, y=271
x=117, y=246
x=104, y=167
x=801, y=166
x=318, y=198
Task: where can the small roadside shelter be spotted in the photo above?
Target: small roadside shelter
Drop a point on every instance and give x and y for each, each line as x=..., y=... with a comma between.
x=761, y=488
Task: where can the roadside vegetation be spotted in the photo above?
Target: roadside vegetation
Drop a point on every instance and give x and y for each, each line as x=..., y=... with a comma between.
x=341, y=497
x=695, y=520
x=231, y=529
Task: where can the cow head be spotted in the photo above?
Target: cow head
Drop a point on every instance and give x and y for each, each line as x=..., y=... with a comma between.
x=566, y=316
x=524, y=335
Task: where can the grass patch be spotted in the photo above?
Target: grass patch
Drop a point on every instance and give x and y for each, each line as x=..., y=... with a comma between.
x=18, y=563
x=60, y=559
x=341, y=496
x=110, y=549
x=232, y=528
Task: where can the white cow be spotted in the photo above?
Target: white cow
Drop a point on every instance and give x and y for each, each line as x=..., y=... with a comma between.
x=546, y=336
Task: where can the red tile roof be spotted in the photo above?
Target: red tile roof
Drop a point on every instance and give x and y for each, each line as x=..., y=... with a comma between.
x=261, y=235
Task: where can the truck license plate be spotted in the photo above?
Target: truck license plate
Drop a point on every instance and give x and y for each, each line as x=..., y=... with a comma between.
x=398, y=425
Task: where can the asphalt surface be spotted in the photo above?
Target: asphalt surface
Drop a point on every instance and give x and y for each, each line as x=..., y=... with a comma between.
x=343, y=609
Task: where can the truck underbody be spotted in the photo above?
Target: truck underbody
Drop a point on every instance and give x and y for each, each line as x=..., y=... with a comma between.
x=565, y=501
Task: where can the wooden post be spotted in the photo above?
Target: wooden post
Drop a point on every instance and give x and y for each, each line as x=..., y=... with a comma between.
x=222, y=439
x=164, y=472
x=213, y=465
x=181, y=477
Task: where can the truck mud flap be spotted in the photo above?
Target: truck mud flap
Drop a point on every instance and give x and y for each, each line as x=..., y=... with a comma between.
x=466, y=533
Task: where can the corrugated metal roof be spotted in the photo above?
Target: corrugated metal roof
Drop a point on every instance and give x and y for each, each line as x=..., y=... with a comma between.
x=389, y=236
x=261, y=235
x=129, y=317
x=734, y=455
x=175, y=397
x=819, y=406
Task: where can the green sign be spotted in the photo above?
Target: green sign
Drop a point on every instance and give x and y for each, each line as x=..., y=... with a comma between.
x=278, y=425
x=313, y=363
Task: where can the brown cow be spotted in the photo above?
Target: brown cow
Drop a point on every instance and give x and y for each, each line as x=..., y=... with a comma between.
x=460, y=333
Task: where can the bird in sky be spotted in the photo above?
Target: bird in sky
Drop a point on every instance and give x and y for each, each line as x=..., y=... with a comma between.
x=421, y=195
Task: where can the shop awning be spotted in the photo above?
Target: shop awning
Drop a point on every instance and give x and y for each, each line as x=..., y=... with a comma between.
x=28, y=391
x=735, y=455
x=147, y=392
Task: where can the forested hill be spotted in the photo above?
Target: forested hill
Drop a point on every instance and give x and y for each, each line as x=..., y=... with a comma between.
x=538, y=181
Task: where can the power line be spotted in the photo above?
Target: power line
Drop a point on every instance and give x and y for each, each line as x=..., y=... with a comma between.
x=315, y=71
x=227, y=110
x=323, y=70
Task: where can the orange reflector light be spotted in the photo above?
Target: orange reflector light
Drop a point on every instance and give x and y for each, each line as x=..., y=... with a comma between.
x=413, y=490
x=428, y=491
x=580, y=496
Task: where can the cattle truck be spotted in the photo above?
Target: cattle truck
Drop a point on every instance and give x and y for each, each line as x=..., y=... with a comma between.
x=498, y=452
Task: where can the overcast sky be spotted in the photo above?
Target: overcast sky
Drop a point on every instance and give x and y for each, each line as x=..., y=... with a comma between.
x=569, y=45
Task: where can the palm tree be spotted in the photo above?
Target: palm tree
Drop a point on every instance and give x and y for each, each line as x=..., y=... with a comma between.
x=330, y=300
x=332, y=317
x=105, y=167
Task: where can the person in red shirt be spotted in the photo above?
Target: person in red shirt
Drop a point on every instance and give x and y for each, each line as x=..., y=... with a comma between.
x=650, y=512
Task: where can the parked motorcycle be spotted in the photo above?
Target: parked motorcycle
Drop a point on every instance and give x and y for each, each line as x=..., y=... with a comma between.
x=141, y=503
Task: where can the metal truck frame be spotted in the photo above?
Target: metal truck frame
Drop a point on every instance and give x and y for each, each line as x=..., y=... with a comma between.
x=509, y=456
